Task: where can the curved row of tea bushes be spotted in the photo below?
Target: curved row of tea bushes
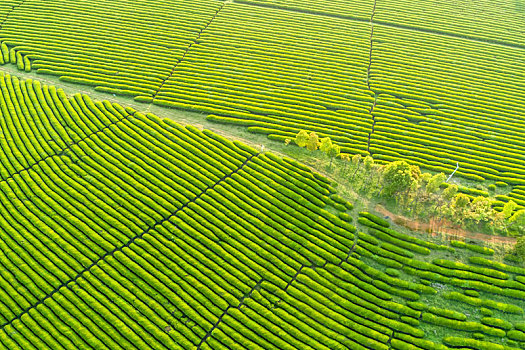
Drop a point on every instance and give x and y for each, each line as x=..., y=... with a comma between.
x=472, y=247
x=496, y=265
x=469, y=343
x=510, y=308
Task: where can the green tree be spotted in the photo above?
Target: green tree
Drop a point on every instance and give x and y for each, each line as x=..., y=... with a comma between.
x=326, y=143
x=301, y=139
x=313, y=142
x=418, y=187
x=519, y=248
x=459, y=207
x=356, y=161
x=397, y=177
x=431, y=189
x=415, y=172
x=461, y=201
x=501, y=219
x=450, y=192
x=425, y=178
x=508, y=209
x=368, y=162
x=333, y=152
x=434, y=183
x=481, y=209
x=518, y=220
x=345, y=157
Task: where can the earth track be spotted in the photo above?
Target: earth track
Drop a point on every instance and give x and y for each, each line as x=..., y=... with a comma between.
x=444, y=228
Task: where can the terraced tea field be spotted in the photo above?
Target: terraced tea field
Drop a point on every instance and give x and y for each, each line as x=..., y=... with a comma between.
x=436, y=84
x=123, y=230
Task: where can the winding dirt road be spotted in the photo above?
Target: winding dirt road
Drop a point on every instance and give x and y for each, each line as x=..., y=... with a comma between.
x=445, y=228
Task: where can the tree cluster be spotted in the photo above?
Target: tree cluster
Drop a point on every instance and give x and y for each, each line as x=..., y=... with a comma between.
x=312, y=143
x=417, y=194
x=428, y=196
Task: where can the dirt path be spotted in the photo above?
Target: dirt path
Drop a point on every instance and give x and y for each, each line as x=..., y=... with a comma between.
x=445, y=228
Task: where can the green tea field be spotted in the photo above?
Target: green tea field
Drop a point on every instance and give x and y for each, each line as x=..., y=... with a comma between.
x=126, y=224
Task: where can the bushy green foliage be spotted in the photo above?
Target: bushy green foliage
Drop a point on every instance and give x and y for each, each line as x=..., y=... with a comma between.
x=313, y=142
x=397, y=177
x=302, y=138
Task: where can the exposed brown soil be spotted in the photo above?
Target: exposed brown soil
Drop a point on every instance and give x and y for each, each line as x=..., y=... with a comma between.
x=444, y=227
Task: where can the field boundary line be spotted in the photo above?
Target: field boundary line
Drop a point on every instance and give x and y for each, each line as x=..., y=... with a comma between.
x=385, y=24
x=241, y=303
x=352, y=249
x=130, y=241
x=368, y=75
x=194, y=41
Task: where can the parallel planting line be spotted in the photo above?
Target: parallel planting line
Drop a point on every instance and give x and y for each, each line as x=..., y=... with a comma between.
x=132, y=240
x=248, y=295
x=385, y=24
x=194, y=41
x=65, y=148
x=368, y=77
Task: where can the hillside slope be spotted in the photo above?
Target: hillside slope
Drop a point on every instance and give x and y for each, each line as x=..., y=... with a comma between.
x=122, y=230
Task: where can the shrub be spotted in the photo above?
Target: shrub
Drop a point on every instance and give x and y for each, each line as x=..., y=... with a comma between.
x=486, y=312
x=496, y=322
x=516, y=335
x=472, y=293
x=375, y=219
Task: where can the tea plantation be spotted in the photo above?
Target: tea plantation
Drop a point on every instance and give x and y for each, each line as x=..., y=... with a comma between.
x=437, y=84
x=123, y=230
